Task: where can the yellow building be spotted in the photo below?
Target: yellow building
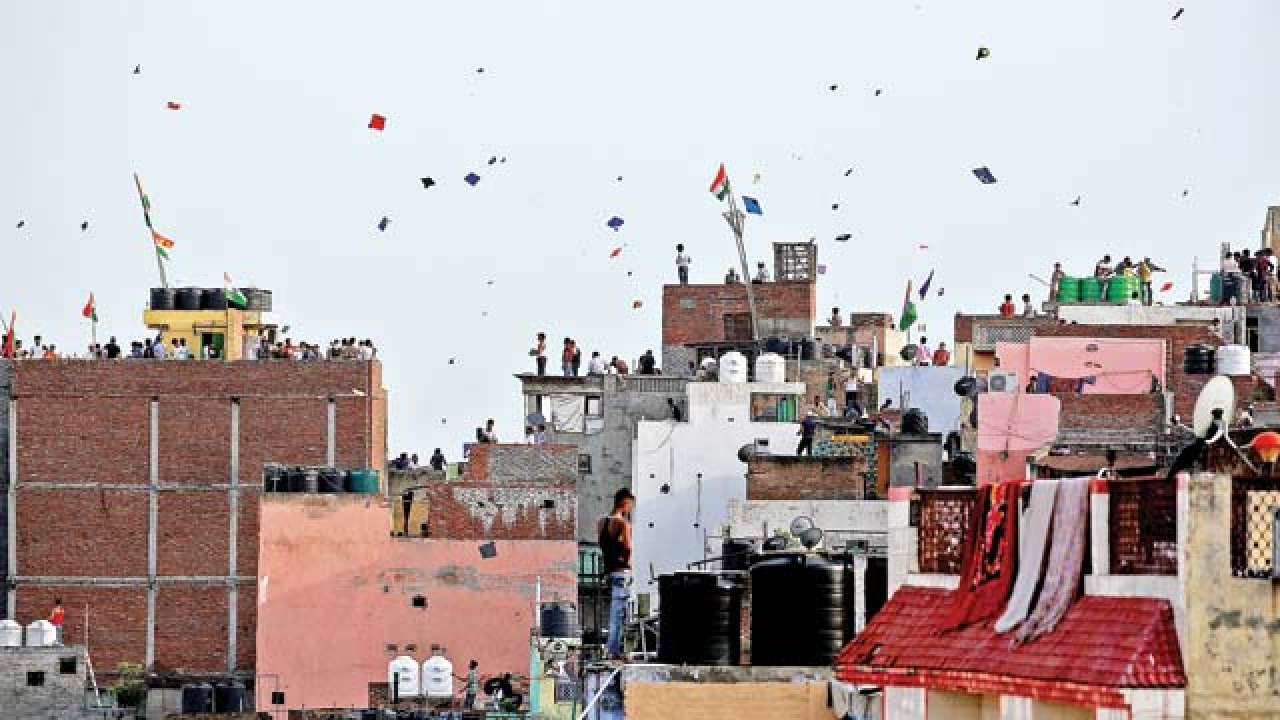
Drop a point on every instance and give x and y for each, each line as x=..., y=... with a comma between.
x=224, y=331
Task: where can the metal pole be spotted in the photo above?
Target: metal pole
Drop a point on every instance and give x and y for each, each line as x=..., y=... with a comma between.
x=734, y=217
x=146, y=213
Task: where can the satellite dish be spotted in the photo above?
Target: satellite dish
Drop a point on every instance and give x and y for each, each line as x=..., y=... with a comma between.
x=800, y=524
x=811, y=538
x=1217, y=393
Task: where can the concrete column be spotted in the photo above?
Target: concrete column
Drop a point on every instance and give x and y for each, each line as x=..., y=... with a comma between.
x=153, y=514
x=1016, y=707
x=1184, y=522
x=903, y=538
x=11, y=525
x=331, y=445
x=233, y=532
x=905, y=703
x=1100, y=526
x=860, y=596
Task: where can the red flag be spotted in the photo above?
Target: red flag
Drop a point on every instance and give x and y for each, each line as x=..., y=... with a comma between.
x=173, y=105
x=616, y=252
x=377, y=122
x=90, y=311
x=8, y=336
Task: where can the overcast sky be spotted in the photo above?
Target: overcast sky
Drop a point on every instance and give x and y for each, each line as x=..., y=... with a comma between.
x=269, y=172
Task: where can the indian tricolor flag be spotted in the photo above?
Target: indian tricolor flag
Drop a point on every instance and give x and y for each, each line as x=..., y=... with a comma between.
x=163, y=244
x=720, y=186
x=235, y=298
x=90, y=310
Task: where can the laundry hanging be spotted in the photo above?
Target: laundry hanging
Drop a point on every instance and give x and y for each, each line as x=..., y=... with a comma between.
x=1031, y=548
x=1065, y=570
x=990, y=558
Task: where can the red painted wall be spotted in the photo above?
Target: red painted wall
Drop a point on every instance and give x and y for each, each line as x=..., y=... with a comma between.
x=335, y=590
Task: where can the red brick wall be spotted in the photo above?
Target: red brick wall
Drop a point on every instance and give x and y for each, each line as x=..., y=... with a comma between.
x=790, y=478
x=704, y=322
x=89, y=423
x=504, y=495
x=1109, y=412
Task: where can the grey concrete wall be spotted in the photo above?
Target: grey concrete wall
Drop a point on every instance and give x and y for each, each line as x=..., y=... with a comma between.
x=6, y=380
x=676, y=359
x=906, y=451
x=61, y=697
x=1268, y=327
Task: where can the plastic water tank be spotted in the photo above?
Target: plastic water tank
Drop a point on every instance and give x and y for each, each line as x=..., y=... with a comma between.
x=1233, y=360
x=406, y=669
x=41, y=633
x=559, y=620
x=437, y=676
x=733, y=367
x=188, y=298
x=771, y=368
x=229, y=697
x=701, y=619
x=162, y=298
x=802, y=610
x=10, y=634
x=197, y=698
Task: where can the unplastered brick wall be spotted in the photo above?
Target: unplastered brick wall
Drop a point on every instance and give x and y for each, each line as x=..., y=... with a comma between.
x=780, y=477
x=694, y=314
x=508, y=492
x=1111, y=412
x=84, y=489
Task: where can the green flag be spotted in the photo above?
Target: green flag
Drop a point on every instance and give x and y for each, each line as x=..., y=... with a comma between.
x=908, y=310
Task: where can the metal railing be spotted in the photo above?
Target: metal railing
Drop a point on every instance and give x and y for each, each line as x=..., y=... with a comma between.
x=1143, y=526
x=1253, y=506
x=655, y=383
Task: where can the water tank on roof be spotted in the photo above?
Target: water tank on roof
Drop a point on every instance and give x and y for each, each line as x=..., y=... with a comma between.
x=733, y=367
x=437, y=675
x=404, y=670
x=771, y=368
x=229, y=697
x=1233, y=360
x=331, y=480
x=559, y=620
x=162, y=298
x=41, y=633
x=213, y=299
x=10, y=634
x=802, y=610
x=701, y=618
x=188, y=298
x=197, y=698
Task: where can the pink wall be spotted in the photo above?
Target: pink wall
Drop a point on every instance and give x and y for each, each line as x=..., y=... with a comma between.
x=1123, y=366
x=1010, y=427
x=335, y=589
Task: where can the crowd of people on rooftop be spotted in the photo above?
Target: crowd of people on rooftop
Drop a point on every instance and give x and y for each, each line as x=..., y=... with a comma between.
x=255, y=348
x=571, y=360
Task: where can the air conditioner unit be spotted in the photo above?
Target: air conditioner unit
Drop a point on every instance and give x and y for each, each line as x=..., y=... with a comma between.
x=1002, y=382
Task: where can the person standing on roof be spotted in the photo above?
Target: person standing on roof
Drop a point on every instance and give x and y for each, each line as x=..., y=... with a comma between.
x=762, y=275
x=615, y=550
x=648, y=363
x=56, y=617
x=835, y=317
x=923, y=353
x=576, y=362
x=1230, y=276
x=1055, y=281
x=1028, y=310
x=539, y=352
x=1103, y=272
x=596, y=365
x=1007, y=308
x=682, y=265
x=807, y=428
x=1262, y=271
x=941, y=356
x=437, y=460
x=1146, y=269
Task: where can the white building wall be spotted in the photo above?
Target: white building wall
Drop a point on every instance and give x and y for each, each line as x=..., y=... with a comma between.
x=699, y=461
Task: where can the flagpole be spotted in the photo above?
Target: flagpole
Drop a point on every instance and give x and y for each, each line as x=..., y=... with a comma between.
x=734, y=217
x=164, y=280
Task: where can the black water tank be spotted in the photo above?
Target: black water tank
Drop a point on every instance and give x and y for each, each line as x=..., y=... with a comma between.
x=229, y=698
x=1199, y=360
x=559, y=620
x=257, y=299
x=197, y=698
x=162, y=298
x=296, y=479
x=802, y=610
x=188, y=298
x=737, y=553
x=275, y=478
x=330, y=480
x=875, y=585
x=700, y=618
x=915, y=422
x=966, y=386
x=310, y=480
x=777, y=345
x=213, y=299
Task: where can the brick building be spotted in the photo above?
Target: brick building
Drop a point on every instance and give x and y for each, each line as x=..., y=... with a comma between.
x=134, y=489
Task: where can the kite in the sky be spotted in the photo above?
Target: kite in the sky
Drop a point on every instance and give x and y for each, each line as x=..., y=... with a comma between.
x=615, y=222
x=137, y=69
x=636, y=305
x=616, y=252
x=924, y=288
x=619, y=178
x=480, y=70
x=922, y=246
x=822, y=269
x=843, y=237
x=848, y=172
x=21, y=223
x=377, y=122
x=1076, y=202
x=493, y=159
x=835, y=206
x=173, y=105
x=383, y=223
x=833, y=88
x=755, y=179
x=1179, y=13
x=984, y=175
x=751, y=205
x=1185, y=192
x=940, y=291
x=1166, y=287
x=453, y=360
x=472, y=179
x=84, y=226
x=983, y=53
x=427, y=182
x=878, y=91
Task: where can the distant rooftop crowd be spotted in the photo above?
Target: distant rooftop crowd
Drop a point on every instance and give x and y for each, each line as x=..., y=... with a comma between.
x=571, y=360
x=255, y=348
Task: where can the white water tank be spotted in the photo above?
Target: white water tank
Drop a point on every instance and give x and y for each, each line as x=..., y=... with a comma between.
x=437, y=676
x=10, y=634
x=733, y=367
x=1233, y=360
x=406, y=669
x=41, y=633
x=771, y=368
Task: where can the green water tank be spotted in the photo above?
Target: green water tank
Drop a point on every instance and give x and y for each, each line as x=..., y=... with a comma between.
x=1069, y=290
x=1215, y=287
x=364, y=480
x=1090, y=289
x=1121, y=288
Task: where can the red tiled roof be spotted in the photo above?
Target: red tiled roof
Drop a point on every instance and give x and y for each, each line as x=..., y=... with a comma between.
x=1103, y=644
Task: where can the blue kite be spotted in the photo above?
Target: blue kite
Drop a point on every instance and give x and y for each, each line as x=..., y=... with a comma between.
x=615, y=222
x=751, y=205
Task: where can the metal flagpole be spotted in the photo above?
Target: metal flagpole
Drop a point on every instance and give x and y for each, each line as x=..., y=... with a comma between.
x=734, y=217
x=146, y=214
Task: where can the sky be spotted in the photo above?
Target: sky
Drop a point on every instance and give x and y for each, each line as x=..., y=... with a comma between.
x=270, y=173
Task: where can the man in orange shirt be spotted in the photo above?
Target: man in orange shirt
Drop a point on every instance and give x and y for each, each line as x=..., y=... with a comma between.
x=1007, y=308
x=941, y=356
x=56, y=618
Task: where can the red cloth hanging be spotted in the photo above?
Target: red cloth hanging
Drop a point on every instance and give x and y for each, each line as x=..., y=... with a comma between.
x=990, y=558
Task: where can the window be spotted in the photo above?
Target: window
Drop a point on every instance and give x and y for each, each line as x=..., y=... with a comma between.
x=771, y=407
x=277, y=697
x=595, y=406
x=67, y=666
x=419, y=601
x=35, y=679
x=533, y=404
x=548, y=504
x=584, y=464
x=737, y=327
